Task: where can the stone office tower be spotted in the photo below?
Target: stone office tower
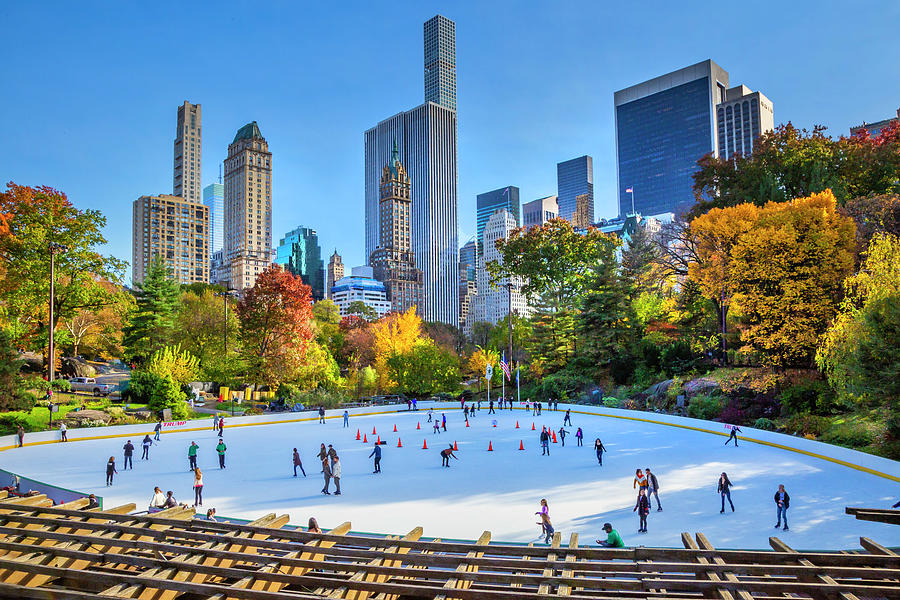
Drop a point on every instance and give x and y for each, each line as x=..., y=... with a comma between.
x=187, y=153
x=335, y=272
x=248, y=207
x=394, y=262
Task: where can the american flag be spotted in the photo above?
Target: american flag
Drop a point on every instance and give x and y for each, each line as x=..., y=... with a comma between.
x=629, y=190
x=505, y=367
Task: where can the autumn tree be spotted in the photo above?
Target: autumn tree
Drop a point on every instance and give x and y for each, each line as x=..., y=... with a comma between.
x=202, y=328
x=152, y=322
x=873, y=215
x=423, y=369
x=327, y=326
x=98, y=331
x=787, y=271
x=274, y=326
x=395, y=333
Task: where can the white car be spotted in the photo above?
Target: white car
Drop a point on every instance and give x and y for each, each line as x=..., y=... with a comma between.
x=89, y=384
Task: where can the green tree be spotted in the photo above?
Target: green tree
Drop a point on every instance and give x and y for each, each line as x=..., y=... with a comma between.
x=423, y=370
x=200, y=328
x=152, y=322
x=360, y=309
x=158, y=393
x=175, y=363
x=327, y=324
x=12, y=388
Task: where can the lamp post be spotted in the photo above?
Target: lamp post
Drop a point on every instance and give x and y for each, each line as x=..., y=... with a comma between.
x=54, y=247
x=225, y=295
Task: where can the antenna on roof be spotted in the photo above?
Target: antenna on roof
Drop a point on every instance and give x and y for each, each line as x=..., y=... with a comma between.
x=220, y=172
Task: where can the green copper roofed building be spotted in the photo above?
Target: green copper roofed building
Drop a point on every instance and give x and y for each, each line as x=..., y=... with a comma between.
x=299, y=253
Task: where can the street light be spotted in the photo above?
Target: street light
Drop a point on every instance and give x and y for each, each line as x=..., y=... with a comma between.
x=225, y=295
x=55, y=248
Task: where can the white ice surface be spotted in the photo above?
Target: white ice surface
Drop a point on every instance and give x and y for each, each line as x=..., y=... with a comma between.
x=497, y=491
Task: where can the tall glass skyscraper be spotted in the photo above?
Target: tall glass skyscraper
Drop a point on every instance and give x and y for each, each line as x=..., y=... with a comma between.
x=214, y=199
x=663, y=126
x=299, y=253
x=575, y=178
x=440, y=61
x=488, y=203
x=426, y=143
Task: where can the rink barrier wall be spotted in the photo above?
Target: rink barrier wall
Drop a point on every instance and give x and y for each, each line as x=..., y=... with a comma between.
x=56, y=493
x=853, y=459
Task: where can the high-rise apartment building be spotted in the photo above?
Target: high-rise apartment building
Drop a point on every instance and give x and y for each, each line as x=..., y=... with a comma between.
x=494, y=300
x=875, y=128
x=175, y=229
x=468, y=263
x=335, y=272
x=741, y=117
x=248, y=207
x=488, y=203
x=187, y=153
x=575, y=178
x=440, y=61
x=537, y=212
x=299, y=253
x=360, y=286
x=663, y=127
x=214, y=200
x=393, y=261
x=426, y=140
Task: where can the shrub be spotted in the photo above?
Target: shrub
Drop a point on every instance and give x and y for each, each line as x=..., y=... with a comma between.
x=9, y=422
x=807, y=425
x=61, y=385
x=611, y=402
x=158, y=393
x=733, y=412
x=850, y=435
x=764, y=423
x=808, y=397
x=705, y=407
x=677, y=358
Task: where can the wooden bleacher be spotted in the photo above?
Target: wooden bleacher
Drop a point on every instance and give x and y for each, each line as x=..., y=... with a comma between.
x=64, y=552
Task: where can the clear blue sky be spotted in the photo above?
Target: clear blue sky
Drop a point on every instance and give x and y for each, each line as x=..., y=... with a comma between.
x=91, y=89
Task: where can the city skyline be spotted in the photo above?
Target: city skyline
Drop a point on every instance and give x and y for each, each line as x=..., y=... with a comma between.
x=511, y=128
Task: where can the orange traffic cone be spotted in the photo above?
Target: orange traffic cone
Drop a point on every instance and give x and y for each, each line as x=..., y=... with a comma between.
x=532, y=426
x=521, y=445
x=379, y=440
x=455, y=447
x=418, y=426
x=424, y=444
x=495, y=423
x=554, y=437
x=395, y=428
x=399, y=445
x=357, y=435
x=517, y=424
x=467, y=422
x=365, y=439
x=373, y=431
x=490, y=447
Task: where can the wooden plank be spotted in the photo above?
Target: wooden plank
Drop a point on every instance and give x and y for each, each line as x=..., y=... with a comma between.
x=565, y=589
x=544, y=588
x=464, y=567
x=780, y=546
x=875, y=548
x=413, y=567
x=347, y=591
x=704, y=544
x=690, y=544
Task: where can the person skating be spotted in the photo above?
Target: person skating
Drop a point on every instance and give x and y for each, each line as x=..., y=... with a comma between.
x=336, y=475
x=600, y=449
x=157, y=430
x=221, y=425
x=733, y=436
x=346, y=419
x=332, y=455
x=192, y=456
x=782, y=503
x=198, y=487
x=129, y=451
x=724, y=489
x=444, y=421
x=534, y=409
x=640, y=481
x=613, y=539
x=215, y=421
x=110, y=470
x=436, y=428
x=539, y=408
x=63, y=432
x=568, y=417
x=157, y=501
x=643, y=509
x=562, y=435
x=491, y=408
x=326, y=473
x=446, y=453
x=323, y=456
x=322, y=415
x=545, y=442
x=546, y=525
x=145, y=447
x=430, y=411
x=20, y=433
x=465, y=412
x=579, y=437
x=376, y=452
x=653, y=488
x=298, y=463
x=221, y=448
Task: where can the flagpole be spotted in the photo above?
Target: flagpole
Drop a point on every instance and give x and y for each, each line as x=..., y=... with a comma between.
x=632, y=200
x=502, y=380
x=518, y=395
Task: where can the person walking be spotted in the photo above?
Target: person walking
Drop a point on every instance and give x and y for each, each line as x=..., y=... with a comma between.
x=298, y=463
x=446, y=453
x=643, y=509
x=110, y=470
x=336, y=475
x=568, y=417
x=579, y=437
x=733, y=436
x=20, y=433
x=221, y=448
x=221, y=426
x=62, y=432
x=613, y=539
x=157, y=430
x=145, y=447
x=326, y=473
x=724, y=489
x=562, y=435
x=444, y=421
x=192, y=456
x=545, y=442
x=322, y=415
x=653, y=488
x=376, y=452
x=600, y=449
x=346, y=419
x=129, y=451
x=546, y=525
x=198, y=487
x=782, y=503
x=640, y=481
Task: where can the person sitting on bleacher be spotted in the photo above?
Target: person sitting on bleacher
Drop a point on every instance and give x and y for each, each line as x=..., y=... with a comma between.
x=170, y=502
x=158, y=501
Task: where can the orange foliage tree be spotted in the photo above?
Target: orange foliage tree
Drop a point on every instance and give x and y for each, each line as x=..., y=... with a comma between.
x=395, y=333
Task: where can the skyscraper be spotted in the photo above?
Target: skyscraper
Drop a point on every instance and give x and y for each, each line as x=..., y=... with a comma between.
x=468, y=263
x=741, y=118
x=187, y=153
x=537, y=212
x=299, y=253
x=488, y=203
x=440, y=61
x=583, y=217
x=663, y=126
x=248, y=207
x=393, y=262
x=335, y=272
x=574, y=178
x=426, y=141
x=493, y=302
x=214, y=200
x=175, y=229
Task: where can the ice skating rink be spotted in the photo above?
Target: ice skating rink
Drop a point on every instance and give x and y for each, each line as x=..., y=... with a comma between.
x=499, y=490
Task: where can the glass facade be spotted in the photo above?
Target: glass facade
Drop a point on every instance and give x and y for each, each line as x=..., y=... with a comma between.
x=488, y=203
x=739, y=126
x=214, y=200
x=299, y=253
x=574, y=178
x=660, y=137
x=440, y=61
x=468, y=260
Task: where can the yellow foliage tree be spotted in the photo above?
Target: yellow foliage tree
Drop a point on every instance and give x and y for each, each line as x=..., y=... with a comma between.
x=394, y=334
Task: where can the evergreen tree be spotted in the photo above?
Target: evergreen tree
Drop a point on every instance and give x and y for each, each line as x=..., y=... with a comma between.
x=638, y=259
x=12, y=392
x=153, y=320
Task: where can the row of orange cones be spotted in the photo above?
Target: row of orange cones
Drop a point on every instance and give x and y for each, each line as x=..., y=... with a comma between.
x=455, y=447
x=419, y=426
